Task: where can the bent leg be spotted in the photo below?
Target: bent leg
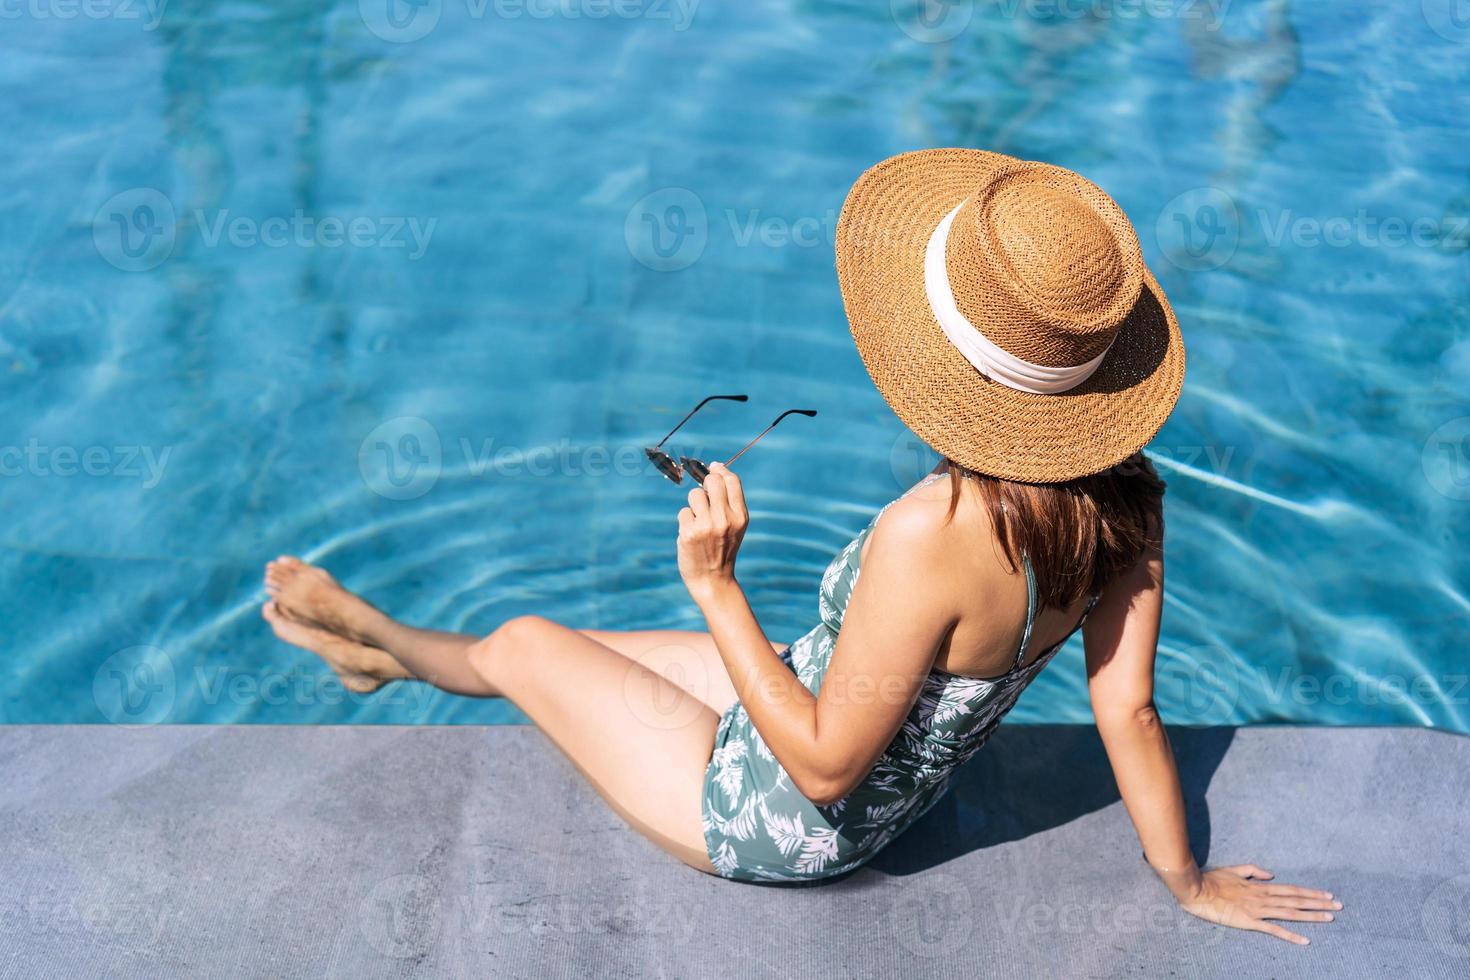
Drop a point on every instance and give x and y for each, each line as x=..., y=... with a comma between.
x=642, y=741
x=310, y=595
x=683, y=657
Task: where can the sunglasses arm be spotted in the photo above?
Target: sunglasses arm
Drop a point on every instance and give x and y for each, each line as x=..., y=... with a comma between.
x=791, y=411
x=728, y=398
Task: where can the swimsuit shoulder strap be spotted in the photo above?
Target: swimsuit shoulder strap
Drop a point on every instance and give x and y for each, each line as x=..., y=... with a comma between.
x=1030, y=612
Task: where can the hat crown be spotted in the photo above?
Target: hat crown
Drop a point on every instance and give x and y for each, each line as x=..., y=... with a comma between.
x=1045, y=264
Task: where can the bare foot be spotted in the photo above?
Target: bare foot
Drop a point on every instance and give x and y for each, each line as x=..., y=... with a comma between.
x=362, y=669
x=310, y=595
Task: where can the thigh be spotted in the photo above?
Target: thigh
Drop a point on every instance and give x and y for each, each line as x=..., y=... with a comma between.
x=685, y=658
x=642, y=741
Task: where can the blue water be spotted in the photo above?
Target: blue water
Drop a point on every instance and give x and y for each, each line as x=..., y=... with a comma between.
x=566, y=230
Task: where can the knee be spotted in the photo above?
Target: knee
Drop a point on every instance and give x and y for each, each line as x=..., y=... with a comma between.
x=512, y=635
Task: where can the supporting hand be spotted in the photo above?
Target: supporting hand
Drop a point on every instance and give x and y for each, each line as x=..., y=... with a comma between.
x=1243, y=896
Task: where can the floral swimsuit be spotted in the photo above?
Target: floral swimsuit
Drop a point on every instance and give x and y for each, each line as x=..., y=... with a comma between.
x=758, y=826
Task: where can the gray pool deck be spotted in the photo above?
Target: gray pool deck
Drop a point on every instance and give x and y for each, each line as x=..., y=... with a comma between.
x=473, y=852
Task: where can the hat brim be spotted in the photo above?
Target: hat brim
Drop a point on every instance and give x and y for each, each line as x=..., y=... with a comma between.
x=982, y=424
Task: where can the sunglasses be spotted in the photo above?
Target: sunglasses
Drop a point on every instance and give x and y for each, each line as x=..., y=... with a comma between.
x=675, y=469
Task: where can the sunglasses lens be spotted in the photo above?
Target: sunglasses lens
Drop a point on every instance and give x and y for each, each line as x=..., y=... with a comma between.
x=665, y=464
x=697, y=470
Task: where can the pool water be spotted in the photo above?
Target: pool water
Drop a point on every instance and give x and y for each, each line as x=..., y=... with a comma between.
x=403, y=288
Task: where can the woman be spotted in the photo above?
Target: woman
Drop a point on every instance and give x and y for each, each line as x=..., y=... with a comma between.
x=1004, y=311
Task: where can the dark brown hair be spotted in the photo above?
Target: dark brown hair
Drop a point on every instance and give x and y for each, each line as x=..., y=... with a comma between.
x=1081, y=534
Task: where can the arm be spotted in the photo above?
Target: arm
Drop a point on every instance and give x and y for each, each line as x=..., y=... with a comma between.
x=1121, y=637
x=828, y=742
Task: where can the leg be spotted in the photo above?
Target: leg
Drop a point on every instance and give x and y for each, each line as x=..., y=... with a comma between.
x=309, y=595
x=641, y=741
x=682, y=657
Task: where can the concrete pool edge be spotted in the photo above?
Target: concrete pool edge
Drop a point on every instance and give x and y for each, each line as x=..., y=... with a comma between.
x=453, y=850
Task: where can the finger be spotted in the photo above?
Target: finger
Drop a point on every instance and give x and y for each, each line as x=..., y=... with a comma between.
x=1295, y=915
x=1289, y=901
x=686, y=519
x=1249, y=871
x=714, y=486
x=1296, y=891
x=699, y=502
x=1271, y=929
x=734, y=492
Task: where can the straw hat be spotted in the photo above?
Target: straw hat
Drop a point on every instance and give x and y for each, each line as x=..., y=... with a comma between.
x=1004, y=311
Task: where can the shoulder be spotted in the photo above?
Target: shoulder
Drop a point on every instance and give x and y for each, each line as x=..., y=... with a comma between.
x=910, y=556
x=954, y=552
x=921, y=524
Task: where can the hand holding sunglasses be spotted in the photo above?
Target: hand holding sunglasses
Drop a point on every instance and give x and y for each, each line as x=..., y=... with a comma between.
x=696, y=469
